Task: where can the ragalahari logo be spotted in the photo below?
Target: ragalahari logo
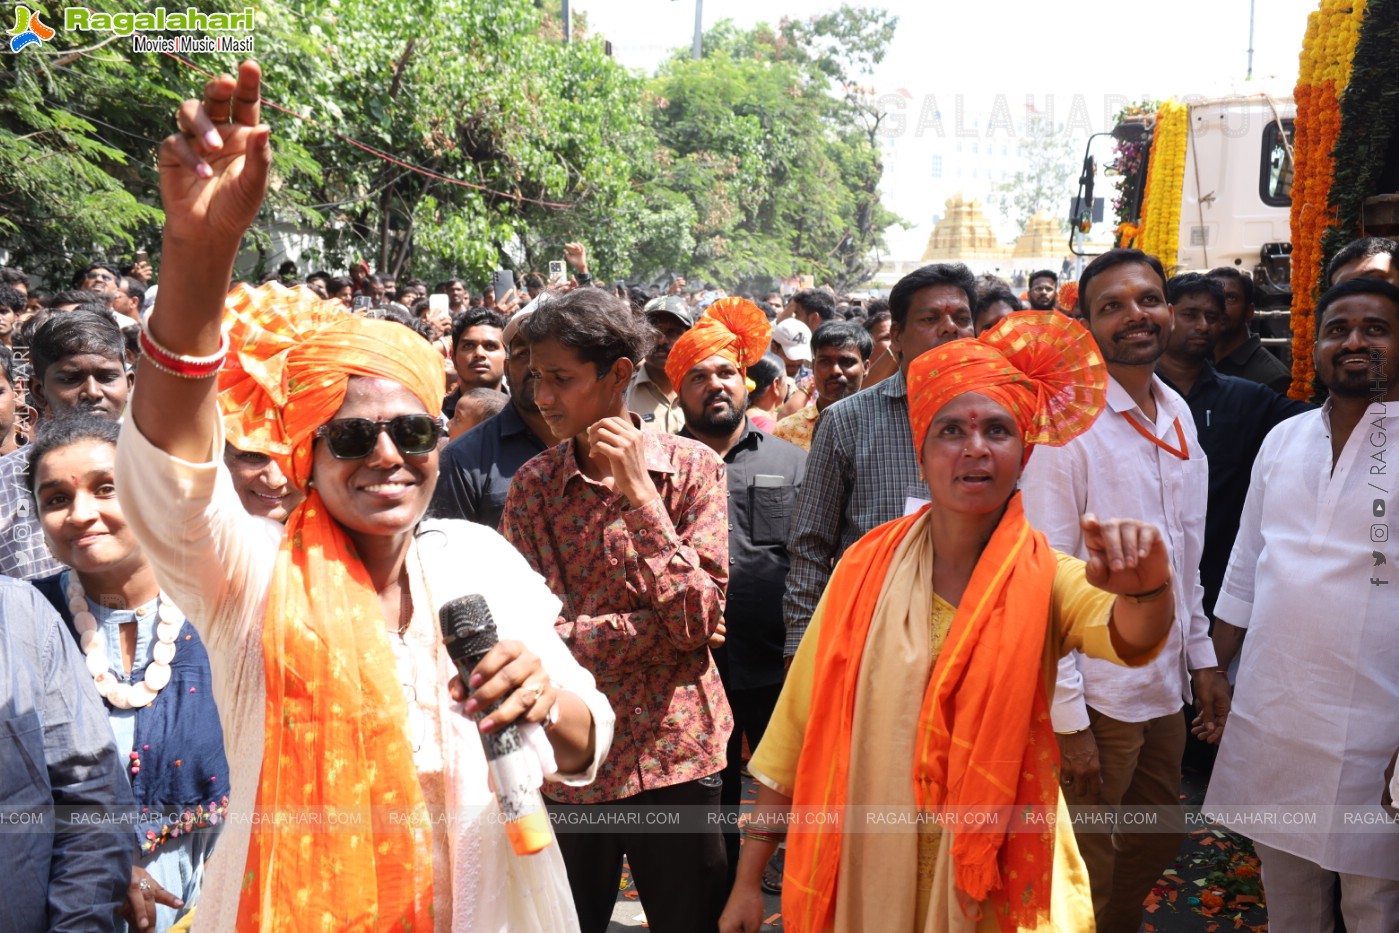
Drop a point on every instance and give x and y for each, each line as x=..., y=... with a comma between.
x=29, y=29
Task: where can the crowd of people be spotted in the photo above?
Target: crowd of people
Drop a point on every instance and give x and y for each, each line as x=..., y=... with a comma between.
x=970, y=567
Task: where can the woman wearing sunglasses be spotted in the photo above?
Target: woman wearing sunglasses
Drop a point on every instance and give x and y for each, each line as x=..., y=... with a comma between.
x=361, y=798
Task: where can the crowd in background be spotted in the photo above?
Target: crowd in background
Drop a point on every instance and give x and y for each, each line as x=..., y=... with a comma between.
x=798, y=528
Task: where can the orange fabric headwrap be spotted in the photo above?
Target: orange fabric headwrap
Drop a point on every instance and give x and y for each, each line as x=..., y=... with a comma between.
x=732, y=327
x=335, y=716
x=984, y=738
x=1042, y=367
x=291, y=354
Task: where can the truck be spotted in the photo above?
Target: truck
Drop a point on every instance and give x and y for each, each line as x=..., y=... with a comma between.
x=1273, y=184
x=1227, y=192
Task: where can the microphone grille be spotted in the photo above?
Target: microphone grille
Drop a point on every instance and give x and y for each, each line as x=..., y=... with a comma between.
x=467, y=621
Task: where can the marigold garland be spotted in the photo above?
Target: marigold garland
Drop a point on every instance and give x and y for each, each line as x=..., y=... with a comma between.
x=1369, y=115
x=1165, y=180
x=1328, y=51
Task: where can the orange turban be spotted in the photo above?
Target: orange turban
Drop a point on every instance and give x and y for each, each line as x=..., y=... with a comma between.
x=336, y=718
x=734, y=328
x=1042, y=367
x=291, y=355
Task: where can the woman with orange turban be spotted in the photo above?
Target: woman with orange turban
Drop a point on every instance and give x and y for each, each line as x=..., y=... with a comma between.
x=911, y=755
x=360, y=793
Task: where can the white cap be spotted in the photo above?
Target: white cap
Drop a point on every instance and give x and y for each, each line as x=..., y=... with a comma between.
x=794, y=338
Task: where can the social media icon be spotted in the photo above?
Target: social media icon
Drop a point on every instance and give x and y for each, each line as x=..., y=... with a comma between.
x=1379, y=533
x=1377, y=508
x=1379, y=558
x=22, y=508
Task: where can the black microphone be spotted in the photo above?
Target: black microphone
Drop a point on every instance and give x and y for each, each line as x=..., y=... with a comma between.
x=468, y=631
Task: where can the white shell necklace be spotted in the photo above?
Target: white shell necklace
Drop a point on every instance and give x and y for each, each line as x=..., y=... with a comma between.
x=94, y=645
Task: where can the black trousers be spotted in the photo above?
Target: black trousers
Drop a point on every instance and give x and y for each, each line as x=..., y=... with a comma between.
x=752, y=709
x=681, y=877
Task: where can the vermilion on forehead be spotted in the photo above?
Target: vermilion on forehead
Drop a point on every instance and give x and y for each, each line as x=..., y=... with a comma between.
x=970, y=408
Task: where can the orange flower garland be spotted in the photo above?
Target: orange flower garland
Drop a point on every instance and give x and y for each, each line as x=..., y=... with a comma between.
x=1160, y=226
x=1327, y=53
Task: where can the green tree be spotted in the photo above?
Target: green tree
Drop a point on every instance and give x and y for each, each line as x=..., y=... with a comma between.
x=1044, y=184
x=773, y=144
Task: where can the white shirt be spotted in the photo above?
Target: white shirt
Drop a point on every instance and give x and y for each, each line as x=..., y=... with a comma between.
x=216, y=562
x=1114, y=472
x=1315, y=718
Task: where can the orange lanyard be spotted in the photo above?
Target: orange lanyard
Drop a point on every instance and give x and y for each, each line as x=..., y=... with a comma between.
x=1183, y=452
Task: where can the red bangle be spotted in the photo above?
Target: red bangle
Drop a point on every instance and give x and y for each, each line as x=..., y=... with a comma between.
x=183, y=367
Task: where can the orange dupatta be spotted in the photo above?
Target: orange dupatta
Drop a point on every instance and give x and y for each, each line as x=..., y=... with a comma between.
x=985, y=740
x=344, y=842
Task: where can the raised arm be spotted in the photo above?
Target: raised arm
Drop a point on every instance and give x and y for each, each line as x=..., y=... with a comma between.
x=213, y=175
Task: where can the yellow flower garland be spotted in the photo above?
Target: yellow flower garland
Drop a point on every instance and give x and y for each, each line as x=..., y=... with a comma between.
x=1327, y=53
x=1160, y=227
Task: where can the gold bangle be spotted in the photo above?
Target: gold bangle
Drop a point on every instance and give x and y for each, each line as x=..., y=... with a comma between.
x=1157, y=593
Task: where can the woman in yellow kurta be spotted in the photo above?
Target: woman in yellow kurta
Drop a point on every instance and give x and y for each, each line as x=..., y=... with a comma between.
x=920, y=694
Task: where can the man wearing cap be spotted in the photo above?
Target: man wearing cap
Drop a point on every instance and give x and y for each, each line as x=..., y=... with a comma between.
x=475, y=469
x=791, y=340
x=651, y=395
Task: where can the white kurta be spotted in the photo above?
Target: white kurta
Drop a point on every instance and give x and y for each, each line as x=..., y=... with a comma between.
x=1315, y=719
x=216, y=562
x=1113, y=471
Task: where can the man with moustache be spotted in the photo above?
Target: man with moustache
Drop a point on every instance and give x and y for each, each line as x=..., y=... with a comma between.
x=862, y=470
x=1043, y=290
x=1121, y=733
x=476, y=468
x=651, y=394
x=842, y=351
x=708, y=366
x=1312, y=582
x=1239, y=352
x=1232, y=415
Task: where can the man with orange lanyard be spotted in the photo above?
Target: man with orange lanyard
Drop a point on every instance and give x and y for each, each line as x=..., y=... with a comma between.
x=1120, y=731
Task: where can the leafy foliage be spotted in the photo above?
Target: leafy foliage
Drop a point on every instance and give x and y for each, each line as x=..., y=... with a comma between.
x=759, y=160
x=1049, y=161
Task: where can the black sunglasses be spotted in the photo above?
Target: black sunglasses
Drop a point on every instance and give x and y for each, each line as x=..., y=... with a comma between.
x=354, y=438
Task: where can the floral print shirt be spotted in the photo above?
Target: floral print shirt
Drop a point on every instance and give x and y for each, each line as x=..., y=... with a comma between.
x=642, y=592
x=798, y=427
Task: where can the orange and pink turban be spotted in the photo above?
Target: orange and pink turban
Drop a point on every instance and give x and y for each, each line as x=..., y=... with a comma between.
x=733, y=328
x=1041, y=366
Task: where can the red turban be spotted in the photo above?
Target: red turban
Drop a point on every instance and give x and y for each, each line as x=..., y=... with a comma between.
x=734, y=328
x=1041, y=366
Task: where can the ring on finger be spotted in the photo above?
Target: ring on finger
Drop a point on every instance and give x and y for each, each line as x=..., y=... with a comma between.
x=535, y=690
x=144, y=885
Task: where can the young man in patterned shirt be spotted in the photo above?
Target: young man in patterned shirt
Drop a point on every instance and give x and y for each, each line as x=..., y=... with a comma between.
x=630, y=529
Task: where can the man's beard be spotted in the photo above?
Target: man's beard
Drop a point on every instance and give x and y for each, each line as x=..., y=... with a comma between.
x=1138, y=355
x=1367, y=383
x=1046, y=305
x=715, y=425
x=524, y=398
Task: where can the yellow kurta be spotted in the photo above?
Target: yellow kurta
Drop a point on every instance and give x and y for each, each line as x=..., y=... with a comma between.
x=1079, y=616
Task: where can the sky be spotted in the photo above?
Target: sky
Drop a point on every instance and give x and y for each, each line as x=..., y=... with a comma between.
x=1079, y=61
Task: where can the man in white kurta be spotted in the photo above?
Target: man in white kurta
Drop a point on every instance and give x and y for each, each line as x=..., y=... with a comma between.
x=1141, y=459
x=1313, y=581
